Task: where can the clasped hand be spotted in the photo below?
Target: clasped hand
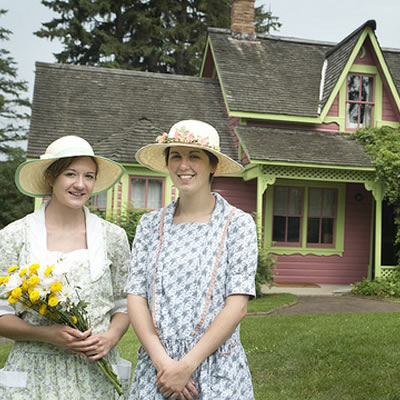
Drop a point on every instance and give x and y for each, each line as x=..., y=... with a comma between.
x=91, y=346
x=175, y=381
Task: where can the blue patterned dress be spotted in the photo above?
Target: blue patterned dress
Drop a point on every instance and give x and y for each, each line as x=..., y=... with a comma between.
x=178, y=294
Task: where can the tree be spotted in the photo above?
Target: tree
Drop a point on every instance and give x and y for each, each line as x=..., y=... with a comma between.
x=13, y=128
x=15, y=205
x=150, y=35
x=383, y=147
x=13, y=118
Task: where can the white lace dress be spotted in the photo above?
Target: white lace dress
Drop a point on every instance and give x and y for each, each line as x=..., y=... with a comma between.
x=52, y=372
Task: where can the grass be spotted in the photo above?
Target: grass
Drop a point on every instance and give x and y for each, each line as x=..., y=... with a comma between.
x=269, y=302
x=318, y=357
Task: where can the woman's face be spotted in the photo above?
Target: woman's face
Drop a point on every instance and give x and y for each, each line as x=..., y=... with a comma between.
x=189, y=169
x=74, y=186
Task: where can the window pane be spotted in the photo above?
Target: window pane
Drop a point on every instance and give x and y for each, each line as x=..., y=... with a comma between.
x=293, y=229
x=353, y=88
x=327, y=230
x=138, y=193
x=329, y=203
x=281, y=199
x=365, y=115
x=295, y=201
x=314, y=202
x=366, y=93
x=313, y=230
x=154, y=194
x=352, y=115
x=279, y=229
x=102, y=200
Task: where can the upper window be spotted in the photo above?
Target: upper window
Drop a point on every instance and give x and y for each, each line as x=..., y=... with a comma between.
x=147, y=192
x=359, y=101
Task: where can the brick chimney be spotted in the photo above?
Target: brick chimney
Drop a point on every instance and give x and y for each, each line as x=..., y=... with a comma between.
x=242, y=19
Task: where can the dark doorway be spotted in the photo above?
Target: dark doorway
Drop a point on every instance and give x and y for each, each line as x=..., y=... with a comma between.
x=389, y=251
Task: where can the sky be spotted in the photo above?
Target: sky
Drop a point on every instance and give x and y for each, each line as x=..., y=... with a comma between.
x=320, y=20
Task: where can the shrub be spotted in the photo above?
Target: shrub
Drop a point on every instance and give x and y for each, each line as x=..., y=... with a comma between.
x=127, y=219
x=265, y=268
x=387, y=287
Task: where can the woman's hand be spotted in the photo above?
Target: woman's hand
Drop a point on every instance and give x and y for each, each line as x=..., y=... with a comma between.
x=98, y=346
x=175, y=381
x=64, y=336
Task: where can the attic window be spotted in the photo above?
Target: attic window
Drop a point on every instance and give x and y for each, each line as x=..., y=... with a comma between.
x=359, y=101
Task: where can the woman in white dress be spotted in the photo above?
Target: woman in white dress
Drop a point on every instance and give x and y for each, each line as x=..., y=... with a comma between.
x=192, y=272
x=51, y=361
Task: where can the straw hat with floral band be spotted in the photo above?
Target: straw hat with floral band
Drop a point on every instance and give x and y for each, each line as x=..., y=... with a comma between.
x=187, y=133
x=30, y=175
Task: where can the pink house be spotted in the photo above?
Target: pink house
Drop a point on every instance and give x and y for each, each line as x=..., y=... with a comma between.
x=284, y=107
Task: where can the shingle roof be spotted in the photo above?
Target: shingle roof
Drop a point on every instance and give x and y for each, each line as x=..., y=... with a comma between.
x=277, y=75
x=269, y=75
x=118, y=111
x=298, y=146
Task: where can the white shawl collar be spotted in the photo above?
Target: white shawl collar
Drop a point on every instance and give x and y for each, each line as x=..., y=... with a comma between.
x=98, y=260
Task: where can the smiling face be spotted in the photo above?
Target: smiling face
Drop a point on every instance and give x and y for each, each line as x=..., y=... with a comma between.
x=190, y=169
x=74, y=185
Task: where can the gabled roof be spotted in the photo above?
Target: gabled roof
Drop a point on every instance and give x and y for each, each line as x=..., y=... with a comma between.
x=118, y=111
x=283, y=76
x=301, y=147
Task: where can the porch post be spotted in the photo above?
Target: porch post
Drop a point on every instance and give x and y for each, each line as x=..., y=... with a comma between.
x=378, y=193
x=262, y=183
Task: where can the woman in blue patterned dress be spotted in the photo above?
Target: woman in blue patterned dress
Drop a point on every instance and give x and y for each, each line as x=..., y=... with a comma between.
x=192, y=271
x=51, y=361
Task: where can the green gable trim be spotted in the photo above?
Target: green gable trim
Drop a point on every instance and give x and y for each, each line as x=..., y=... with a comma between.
x=343, y=75
x=385, y=70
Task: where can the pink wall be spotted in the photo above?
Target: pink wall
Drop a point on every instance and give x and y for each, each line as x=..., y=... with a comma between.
x=349, y=268
x=241, y=194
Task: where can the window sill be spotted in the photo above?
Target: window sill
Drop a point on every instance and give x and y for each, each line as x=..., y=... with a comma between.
x=304, y=251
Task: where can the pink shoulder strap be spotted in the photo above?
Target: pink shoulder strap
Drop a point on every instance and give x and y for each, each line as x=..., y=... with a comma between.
x=210, y=289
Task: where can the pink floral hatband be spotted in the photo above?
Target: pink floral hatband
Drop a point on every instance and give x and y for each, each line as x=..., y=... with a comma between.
x=187, y=137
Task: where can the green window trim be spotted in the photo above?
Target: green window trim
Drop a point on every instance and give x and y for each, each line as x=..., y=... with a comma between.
x=303, y=249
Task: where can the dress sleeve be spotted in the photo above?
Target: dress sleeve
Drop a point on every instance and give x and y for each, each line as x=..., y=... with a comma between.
x=120, y=255
x=242, y=255
x=137, y=276
x=11, y=241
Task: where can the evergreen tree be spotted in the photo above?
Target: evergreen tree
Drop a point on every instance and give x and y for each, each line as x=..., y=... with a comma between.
x=149, y=35
x=15, y=205
x=13, y=118
x=13, y=127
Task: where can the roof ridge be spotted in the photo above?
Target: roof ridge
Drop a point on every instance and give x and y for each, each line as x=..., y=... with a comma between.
x=118, y=71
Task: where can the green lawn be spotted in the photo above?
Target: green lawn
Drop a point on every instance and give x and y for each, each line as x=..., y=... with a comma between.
x=318, y=357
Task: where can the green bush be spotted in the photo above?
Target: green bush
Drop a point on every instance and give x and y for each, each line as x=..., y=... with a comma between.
x=265, y=268
x=387, y=287
x=128, y=220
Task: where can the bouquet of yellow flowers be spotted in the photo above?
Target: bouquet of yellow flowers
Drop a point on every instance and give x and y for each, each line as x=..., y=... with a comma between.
x=47, y=291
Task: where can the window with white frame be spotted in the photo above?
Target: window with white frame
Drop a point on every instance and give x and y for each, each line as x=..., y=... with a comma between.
x=359, y=101
x=146, y=192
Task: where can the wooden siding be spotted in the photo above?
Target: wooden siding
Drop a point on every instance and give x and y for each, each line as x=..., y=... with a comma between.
x=334, y=110
x=346, y=269
x=388, y=108
x=241, y=194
